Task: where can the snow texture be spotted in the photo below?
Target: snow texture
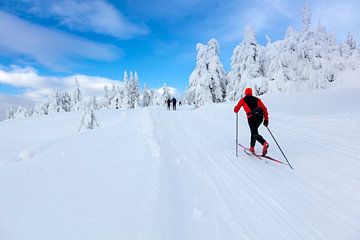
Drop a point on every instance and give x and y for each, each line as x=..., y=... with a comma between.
x=150, y=173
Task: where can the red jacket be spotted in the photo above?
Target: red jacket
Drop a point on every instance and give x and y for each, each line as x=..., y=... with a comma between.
x=250, y=103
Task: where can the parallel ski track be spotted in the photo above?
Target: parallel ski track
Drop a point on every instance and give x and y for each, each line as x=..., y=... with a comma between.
x=236, y=182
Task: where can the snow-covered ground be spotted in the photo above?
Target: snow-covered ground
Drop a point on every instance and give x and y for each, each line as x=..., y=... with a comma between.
x=157, y=174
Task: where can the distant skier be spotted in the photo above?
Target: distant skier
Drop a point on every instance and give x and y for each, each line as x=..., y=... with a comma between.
x=180, y=103
x=256, y=112
x=168, y=103
x=174, y=103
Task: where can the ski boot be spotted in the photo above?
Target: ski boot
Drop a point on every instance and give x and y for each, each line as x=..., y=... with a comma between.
x=265, y=148
x=252, y=150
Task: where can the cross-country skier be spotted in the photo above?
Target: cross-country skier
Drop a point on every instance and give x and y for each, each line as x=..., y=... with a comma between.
x=168, y=101
x=256, y=112
x=174, y=103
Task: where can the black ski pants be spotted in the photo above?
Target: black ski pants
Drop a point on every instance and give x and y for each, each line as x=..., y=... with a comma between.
x=254, y=123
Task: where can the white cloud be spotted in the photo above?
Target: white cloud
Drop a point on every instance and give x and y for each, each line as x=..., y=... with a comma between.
x=37, y=88
x=90, y=16
x=49, y=47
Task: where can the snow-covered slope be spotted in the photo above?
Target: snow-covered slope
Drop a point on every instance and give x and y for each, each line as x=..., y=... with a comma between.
x=157, y=174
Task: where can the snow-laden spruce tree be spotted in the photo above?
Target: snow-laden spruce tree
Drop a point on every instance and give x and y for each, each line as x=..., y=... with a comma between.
x=88, y=120
x=306, y=19
x=30, y=112
x=132, y=91
x=76, y=96
x=207, y=82
x=348, y=48
x=40, y=109
x=10, y=112
x=247, y=68
x=55, y=102
x=136, y=89
x=165, y=93
x=94, y=103
x=112, y=92
x=218, y=79
x=20, y=113
x=309, y=59
x=156, y=98
x=59, y=102
x=65, y=102
x=119, y=100
x=146, y=98
x=106, y=100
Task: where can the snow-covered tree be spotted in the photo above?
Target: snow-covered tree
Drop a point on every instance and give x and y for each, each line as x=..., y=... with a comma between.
x=66, y=102
x=94, y=103
x=54, y=102
x=136, y=86
x=146, y=99
x=106, y=101
x=156, y=98
x=40, y=109
x=247, y=67
x=132, y=91
x=20, y=113
x=119, y=100
x=59, y=102
x=10, y=112
x=76, y=96
x=350, y=41
x=165, y=93
x=306, y=18
x=30, y=112
x=88, y=120
x=112, y=92
x=207, y=82
x=348, y=47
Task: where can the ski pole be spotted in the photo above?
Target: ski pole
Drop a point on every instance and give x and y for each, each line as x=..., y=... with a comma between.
x=237, y=128
x=279, y=148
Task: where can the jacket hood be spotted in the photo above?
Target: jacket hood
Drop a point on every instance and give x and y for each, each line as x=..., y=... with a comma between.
x=248, y=92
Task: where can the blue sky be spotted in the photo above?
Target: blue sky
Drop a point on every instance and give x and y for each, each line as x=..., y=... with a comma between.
x=45, y=44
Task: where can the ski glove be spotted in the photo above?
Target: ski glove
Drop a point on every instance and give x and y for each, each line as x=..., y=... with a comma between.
x=266, y=123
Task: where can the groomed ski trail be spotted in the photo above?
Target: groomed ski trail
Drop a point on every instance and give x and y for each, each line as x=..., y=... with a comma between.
x=241, y=197
x=150, y=173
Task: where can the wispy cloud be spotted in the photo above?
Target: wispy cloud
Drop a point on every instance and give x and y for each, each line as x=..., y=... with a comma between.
x=339, y=17
x=36, y=87
x=272, y=17
x=97, y=16
x=49, y=47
